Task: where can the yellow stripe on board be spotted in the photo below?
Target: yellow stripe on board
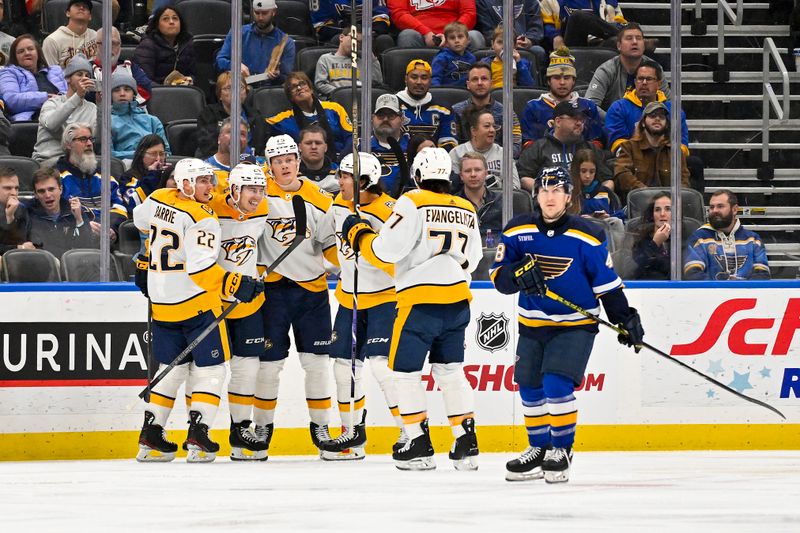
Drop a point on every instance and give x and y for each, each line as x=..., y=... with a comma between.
x=296, y=441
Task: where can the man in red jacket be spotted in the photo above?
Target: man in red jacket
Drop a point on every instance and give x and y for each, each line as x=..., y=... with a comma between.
x=422, y=22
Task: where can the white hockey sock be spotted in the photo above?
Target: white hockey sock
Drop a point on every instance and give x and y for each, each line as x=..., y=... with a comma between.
x=318, y=378
x=341, y=373
x=268, y=382
x=459, y=402
x=207, y=390
x=411, y=397
x=242, y=387
x=188, y=386
x=162, y=396
x=385, y=378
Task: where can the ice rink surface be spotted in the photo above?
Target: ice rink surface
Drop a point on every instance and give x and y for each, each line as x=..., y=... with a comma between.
x=642, y=491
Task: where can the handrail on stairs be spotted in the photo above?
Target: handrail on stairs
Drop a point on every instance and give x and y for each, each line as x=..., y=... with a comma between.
x=724, y=11
x=771, y=101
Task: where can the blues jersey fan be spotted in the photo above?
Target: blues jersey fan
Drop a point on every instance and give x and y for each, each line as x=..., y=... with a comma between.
x=180, y=275
x=564, y=254
x=420, y=114
x=375, y=308
x=432, y=239
x=296, y=292
x=242, y=214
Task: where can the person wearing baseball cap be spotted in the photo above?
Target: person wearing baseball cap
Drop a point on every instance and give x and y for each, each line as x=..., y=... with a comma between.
x=422, y=114
x=74, y=38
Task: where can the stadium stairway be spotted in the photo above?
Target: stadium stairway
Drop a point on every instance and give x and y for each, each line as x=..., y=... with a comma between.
x=725, y=117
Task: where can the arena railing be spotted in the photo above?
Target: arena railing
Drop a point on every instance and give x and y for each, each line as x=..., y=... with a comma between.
x=771, y=100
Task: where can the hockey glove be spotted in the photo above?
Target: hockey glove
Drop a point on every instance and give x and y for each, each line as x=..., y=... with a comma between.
x=353, y=228
x=528, y=277
x=633, y=325
x=243, y=288
x=140, y=276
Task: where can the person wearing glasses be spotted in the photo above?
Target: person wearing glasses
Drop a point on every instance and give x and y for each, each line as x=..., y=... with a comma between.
x=146, y=173
x=307, y=109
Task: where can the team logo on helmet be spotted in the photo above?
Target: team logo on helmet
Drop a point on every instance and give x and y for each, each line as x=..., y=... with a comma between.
x=553, y=266
x=283, y=230
x=239, y=249
x=492, y=334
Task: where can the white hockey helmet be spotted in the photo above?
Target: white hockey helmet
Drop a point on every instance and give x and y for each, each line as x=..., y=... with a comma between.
x=369, y=167
x=245, y=174
x=280, y=145
x=189, y=169
x=432, y=164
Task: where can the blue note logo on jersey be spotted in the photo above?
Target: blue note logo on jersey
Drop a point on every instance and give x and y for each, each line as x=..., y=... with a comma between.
x=239, y=249
x=492, y=332
x=553, y=266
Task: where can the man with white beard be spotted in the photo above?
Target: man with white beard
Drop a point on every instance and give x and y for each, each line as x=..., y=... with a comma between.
x=80, y=176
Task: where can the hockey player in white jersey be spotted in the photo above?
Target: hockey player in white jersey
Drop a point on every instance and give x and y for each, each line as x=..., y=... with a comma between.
x=180, y=275
x=242, y=213
x=296, y=292
x=375, y=308
x=432, y=238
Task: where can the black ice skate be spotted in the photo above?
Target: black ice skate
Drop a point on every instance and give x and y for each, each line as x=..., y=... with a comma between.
x=245, y=445
x=319, y=434
x=348, y=446
x=153, y=444
x=264, y=433
x=527, y=466
x=556, y=465
x=417, y=453
x=201, y=449
x=465, y=447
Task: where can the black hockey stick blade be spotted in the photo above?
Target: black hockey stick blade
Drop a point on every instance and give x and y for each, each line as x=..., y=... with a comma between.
x=662, y=353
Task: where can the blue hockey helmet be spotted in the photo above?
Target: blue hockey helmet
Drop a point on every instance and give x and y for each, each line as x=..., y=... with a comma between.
x=554, y=177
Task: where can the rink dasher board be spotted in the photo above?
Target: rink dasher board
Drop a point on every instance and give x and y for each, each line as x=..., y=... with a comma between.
x=68, y=393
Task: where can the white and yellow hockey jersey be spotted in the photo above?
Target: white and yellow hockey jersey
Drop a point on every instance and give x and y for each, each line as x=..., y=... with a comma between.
x=434, y=242
x=238, y=249
x=375, y=285
x=183, y=243
x=304, y=266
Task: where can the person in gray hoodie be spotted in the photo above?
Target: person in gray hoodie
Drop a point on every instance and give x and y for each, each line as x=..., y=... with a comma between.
x=63, y=109
x=74, y=38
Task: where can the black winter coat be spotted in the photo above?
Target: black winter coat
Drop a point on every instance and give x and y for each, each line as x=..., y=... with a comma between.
x=157, y=58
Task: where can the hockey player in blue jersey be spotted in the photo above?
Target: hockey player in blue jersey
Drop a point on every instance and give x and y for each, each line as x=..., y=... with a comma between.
x=562, y=253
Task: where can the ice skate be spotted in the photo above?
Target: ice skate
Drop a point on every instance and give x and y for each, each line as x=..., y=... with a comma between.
x=527, y=466
x=319, y=434
x=556, y=465
x=245, y=444
x=153, y=444
x=417, y=453
x=200, y=448
x=346, y=447
x=465, y=448
x=264, y=433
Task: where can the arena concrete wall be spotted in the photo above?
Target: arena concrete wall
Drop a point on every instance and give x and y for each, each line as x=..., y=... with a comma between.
x=72, y=360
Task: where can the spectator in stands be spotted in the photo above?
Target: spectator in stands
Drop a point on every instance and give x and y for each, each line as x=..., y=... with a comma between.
x=479, y=85
x=27, y=82
x=422, y=24
x=211, y=117
x=5, y=132
x=143, y=83
x=5, y=39
x=221, y=160
x=333, y=69
x=537, y=118
x=166, y=53
x=616, y=76
x=80, y=176
x=558, y=147
x=14, y=221
x=723, y=249
x=315, y=165
x=307, y=109
x=418, y=142
x=327, y=16
x=488, y=203
x=57, y=224
x=596, y=200
x=571, y=22
x=422, y=115
x=451, y=63
x=481, y=140
x=522, y=68
x=129, y=121
x=74, y=38
x=145, y=175
x=651, y=250
x=266, y=49
x=645, y=160
x=528, y=26
x=64, y=109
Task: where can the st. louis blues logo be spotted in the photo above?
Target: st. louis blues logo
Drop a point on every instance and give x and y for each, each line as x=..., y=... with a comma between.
x=283, y=230
x=492, y=332
x=239, y=249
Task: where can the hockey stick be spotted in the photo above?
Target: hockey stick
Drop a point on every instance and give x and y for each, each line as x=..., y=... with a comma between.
x=150, y=361
x=402, y=162
x=298, y=204
x=622, y=331
x=356, y=206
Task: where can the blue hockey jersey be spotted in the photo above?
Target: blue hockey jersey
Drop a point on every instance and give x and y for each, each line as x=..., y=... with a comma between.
x=328, y=16
x=390, y=166
x=714, y=255
x=426, y=118
x=284, y=123
x=450, y=69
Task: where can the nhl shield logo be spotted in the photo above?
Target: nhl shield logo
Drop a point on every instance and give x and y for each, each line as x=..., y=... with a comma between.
x=492, y=332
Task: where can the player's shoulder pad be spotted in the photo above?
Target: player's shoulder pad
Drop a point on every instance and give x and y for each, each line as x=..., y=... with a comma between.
x=584, y=230
x=519, y=221
x=381, y=207
x=423, y=198
x=165, y=195
x=314, y=195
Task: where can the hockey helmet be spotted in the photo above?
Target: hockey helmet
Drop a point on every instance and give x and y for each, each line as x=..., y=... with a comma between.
x=370, y=167
x=245, y=174
x=189, y=169
x=554, y=177
x=432, y=164
x=281, y=145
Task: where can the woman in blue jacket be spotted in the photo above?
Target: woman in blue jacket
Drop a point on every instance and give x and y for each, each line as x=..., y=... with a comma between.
x=27, y=82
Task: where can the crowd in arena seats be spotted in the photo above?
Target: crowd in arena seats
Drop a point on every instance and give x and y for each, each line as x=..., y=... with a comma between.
x=434, y=68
